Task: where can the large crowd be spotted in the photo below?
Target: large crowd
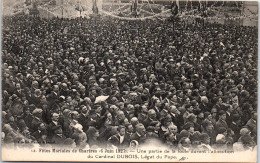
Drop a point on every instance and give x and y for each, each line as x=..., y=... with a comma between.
x=87, y=83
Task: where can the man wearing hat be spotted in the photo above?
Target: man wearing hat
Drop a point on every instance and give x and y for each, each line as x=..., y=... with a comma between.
x=140, y=134
x=37, y=119
x=151, y=117
x=36, y=97
x=65, y=121
x=173, y=130
x=18, y=91
x=208, y=128
x=166, y=122
x=175, y=115
x=120, y=116
x=53, y=125
x=58, y=138
x=83, y=117
x=235, y=126
x=221, y=121
x=205, y=142
x=41, y=131
x=189, y=110
x=54, y=95
x=79, y=136
x=252, y=124
x=120, y=139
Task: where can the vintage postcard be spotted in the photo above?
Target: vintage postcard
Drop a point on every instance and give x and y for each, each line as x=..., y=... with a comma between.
x=129, y=80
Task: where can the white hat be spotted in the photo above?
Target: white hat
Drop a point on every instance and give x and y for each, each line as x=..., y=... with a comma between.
x=220, y=137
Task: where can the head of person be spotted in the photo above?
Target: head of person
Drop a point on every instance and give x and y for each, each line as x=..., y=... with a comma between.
x=120, y=115
x=58, y=130
x=121, y=130
x=214, y=112
x=92, y=133
x=254, y=116
x=185, y=142
x=140, y=129
x=55, y=117
x=189, y=108
x=222, y=115
x=134, y=121
x=85, y=109
x=174, y=110
x=208, y=126
x=134, y=144
x=37, y=112
x=42, y=127
x=173, y=129
x=78, y=128
x=245, y=131
x=247, y=141
x=195, y=139
x=75, y=115
x=205, y=139
x=70, y=143
x=152, y=114
x=130, y=128
x=223, y=131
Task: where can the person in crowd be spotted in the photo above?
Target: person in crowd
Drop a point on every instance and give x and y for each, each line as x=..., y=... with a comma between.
x=37, y=119
x=58, y=138
x=184, y=144
x=120, y=140
x=79, y=136
x=92, y=137
x=205, y=142
x=53, y=125
x=221, y=123
x=140, y=134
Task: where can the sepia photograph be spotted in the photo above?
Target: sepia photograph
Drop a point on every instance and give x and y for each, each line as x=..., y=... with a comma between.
x=129, y=80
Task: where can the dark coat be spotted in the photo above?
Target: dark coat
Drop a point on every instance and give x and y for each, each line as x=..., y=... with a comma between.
x=221, y=123
x=236, y=128
x=147, y=122
x=56, y=139
x=80, y=138
x=38, y=134
x=115, y=140
x=229, y=119
x=35, y=124
x=84, y=121
x=177, y=120
x=140, y=139
x=51, y=128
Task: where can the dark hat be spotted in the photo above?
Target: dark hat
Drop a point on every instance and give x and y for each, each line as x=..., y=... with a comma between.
x=120, y=127
x=221, y=112
x=188, y=125
x=154, y=123
x=191, y=117
x=206, y=123
x=68, y=141
x=246, y=139
x=57, y=127
x=235, y=117
x=21, y=124
x=195, y=136
x=204, y=136
x=184, y=133
x=221, y=130
x=167, y=118
x=187, y=106
x=150, y=129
